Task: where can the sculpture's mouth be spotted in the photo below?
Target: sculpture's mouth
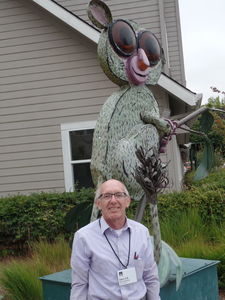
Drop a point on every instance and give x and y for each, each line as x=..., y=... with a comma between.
x=138, y=74
x=137, y=69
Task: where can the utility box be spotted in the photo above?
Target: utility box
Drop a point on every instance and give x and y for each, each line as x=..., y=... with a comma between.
x=199, y=283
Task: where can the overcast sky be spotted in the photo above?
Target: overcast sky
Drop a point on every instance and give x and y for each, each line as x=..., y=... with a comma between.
x=203, y=37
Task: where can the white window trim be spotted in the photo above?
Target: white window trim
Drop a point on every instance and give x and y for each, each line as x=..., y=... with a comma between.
x=67, y=161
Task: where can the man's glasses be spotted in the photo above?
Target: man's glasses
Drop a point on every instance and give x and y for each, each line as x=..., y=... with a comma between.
x=108, y=196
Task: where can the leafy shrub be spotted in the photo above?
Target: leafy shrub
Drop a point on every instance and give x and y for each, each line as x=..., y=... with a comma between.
x=29, y=218
x=215, y=179
x=206, y=195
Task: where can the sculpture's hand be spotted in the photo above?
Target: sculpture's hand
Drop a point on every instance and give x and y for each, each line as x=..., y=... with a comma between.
x=173, y=125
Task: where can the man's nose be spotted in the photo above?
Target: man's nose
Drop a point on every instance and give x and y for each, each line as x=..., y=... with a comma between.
x=113, y=198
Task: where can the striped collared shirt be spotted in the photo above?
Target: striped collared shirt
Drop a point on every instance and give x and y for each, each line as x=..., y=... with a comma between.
x=95, y=265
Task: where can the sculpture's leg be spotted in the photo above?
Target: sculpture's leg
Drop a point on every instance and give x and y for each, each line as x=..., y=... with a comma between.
x=94, y=213
x=156, y=232
x=140, y=209
x=95, y=210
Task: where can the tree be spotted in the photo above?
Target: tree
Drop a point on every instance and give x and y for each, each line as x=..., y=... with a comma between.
x=216, y=133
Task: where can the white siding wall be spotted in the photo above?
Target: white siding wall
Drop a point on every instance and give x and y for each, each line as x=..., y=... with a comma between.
x=48, y=76
x=144, y=12
x=172, y=20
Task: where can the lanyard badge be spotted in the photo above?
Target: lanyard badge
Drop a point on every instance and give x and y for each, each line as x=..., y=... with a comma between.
x=127, y=276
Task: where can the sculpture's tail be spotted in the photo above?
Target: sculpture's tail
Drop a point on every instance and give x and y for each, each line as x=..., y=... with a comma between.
x=169, y=266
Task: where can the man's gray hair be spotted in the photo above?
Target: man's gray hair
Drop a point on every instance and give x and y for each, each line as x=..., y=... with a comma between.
x=98, y=190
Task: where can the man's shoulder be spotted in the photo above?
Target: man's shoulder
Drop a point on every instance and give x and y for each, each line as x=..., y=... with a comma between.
x=136, y=225
x=88, y=228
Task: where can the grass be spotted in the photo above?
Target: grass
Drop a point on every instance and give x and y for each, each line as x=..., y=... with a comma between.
x=181, y=227
x=55, y=256
x=190, y=237
x=20, y=280
x=19, y=277
x=188, y=226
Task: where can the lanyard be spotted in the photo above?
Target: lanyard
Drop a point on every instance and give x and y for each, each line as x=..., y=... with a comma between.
x=128, y=258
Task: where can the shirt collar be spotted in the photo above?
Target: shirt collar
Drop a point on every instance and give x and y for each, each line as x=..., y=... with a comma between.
x=104, y=226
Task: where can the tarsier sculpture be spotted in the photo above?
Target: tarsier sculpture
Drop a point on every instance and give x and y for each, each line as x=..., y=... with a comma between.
x=129, y=120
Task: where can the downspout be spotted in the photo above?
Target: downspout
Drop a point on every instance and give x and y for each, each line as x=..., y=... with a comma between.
x=164, y=40
x=180, y=44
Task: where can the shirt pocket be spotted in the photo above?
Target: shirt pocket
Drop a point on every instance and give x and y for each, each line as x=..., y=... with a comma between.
x=139, y=267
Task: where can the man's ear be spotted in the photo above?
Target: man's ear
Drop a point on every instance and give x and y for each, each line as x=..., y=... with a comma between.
x=128, y=202
x=97, y=203
x=99, y=14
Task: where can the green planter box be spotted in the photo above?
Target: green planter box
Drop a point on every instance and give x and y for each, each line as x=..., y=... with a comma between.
x=199, y=283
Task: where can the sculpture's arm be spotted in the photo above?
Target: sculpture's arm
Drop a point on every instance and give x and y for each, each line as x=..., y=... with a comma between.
x=162, y=125
x=166, y=128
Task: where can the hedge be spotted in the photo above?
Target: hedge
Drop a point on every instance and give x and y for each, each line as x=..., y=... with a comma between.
x=29, y=218
x=207, y=195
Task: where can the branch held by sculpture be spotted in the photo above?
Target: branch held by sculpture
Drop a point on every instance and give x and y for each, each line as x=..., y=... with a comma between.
x=151, y=174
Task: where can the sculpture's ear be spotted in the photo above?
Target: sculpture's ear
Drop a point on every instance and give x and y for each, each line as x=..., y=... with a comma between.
x=99, y=14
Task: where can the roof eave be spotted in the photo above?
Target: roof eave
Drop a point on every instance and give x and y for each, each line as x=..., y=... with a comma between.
x=69, y=18
x=176, y=89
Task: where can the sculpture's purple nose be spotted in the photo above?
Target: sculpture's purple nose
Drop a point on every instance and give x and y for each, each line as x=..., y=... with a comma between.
x=143, y=62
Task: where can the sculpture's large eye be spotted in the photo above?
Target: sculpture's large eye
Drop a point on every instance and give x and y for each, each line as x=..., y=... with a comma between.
x=122, y=38
x=149, y=43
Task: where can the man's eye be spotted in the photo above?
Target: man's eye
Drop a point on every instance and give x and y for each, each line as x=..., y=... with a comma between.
x=119, y=195
x=107, y=196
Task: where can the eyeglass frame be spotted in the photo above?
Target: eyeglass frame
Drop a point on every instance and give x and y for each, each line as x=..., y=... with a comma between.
x=124, y=195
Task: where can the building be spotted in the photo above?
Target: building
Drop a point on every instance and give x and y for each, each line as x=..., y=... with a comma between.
x=52, y=89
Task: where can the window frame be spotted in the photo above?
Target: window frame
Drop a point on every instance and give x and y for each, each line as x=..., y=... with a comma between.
x=68, y=163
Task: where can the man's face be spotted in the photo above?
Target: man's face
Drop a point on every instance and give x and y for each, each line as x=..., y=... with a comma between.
x=114, y=208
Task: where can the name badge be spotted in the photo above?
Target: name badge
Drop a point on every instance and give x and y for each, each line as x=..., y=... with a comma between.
x=127, y=276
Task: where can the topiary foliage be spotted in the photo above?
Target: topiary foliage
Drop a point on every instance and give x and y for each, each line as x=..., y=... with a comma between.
x=37, y=216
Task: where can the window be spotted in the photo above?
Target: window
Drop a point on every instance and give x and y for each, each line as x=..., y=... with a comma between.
x=77, y=147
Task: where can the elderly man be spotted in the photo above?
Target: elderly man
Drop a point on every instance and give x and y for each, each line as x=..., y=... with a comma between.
x=112, y=257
